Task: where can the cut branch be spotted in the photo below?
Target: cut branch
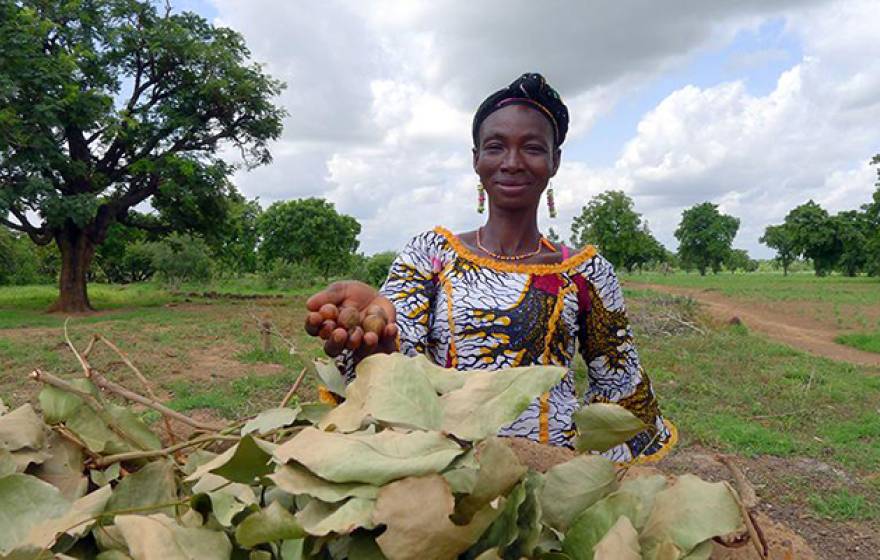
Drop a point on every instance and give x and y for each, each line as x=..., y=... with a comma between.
x=293, y=388
x=134, y=455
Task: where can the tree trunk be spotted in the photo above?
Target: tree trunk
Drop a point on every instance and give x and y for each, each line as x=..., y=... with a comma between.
x=77, y=251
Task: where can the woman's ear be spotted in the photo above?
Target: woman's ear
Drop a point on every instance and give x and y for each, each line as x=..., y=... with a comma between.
x=476, y=154
x=557, y=159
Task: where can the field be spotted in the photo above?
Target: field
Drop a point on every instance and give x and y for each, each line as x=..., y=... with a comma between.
x=805, y=429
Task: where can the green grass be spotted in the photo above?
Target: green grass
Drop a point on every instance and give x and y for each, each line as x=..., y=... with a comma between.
x=767, y=286
x=234, y=399
x=867, y=341
x=841, y=505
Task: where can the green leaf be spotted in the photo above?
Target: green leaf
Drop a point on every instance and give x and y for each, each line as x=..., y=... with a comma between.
x=620, y=543
x=105, y=477
x=7, y=463
x=499, y=471
x=688, y=513
x=292, y=549
x=371, y=458
x=298, y=480
x=243, y=462
x=442, y=379
x=22, y=428
x=153, y=485
x=75, y=522
x=601, y=426
x=529, y=520
x=504, y=530
x=273, y=523
x=59, y=405
x=227, y=499
x=573, y=486
x=134, y=427
x=158, y=537
x=329, y=375
x=27, y=501
x=391, y=391
x=313, y=413
x=363, y=547
x=594, y=523
x=646, y=488
x=319, y=518
x=416, y=514
x=488, y=400
x=63, y=468
x=269, y=420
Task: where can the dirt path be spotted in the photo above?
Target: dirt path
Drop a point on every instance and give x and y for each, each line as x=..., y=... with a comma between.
x=795, y=331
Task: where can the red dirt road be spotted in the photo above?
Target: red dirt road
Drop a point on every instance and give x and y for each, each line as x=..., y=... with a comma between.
x=794, y=331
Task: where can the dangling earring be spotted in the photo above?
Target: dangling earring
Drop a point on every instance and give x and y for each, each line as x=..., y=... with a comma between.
x=481, y=198
x=551, y=204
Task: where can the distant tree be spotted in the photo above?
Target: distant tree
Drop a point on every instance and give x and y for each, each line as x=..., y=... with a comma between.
x=308, y=230
x=106, y=105
x=852, y=230
x=815, y=236
x=552, y=236
x=782, y=239
x=610, y=222
x=125, y=256
x=738, y=259
x=378, y=266
x=872, y=218
x=705, y=236
x=182, y=258
x=234, y=242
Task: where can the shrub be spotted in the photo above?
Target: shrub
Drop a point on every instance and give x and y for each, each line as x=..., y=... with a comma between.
x=282, y=275
x=181, y=258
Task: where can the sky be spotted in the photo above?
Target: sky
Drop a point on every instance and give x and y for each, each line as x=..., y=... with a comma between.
x=755, y=105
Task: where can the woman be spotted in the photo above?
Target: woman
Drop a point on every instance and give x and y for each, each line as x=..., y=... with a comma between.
x=503, y=295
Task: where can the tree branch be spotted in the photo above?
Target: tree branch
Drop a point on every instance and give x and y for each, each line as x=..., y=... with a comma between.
x=39, y=235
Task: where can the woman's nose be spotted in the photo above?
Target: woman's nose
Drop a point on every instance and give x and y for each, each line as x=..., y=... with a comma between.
x=512, y=160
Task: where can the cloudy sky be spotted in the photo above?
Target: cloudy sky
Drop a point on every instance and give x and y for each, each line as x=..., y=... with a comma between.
x=755, y=105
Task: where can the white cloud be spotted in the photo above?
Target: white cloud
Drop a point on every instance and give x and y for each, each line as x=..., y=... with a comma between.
x=381, y=96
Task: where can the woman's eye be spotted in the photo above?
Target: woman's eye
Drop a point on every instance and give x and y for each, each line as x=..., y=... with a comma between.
x=536, y=149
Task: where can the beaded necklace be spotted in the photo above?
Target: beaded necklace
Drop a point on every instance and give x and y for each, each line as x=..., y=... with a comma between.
x=541, y=242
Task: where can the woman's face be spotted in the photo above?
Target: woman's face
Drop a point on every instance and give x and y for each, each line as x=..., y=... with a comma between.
x=515, y=157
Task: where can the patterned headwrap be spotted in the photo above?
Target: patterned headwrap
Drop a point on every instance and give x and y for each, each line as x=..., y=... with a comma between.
x=531, y=90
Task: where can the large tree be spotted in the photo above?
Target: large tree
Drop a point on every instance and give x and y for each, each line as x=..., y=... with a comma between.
x=705, y=236
x=872, y=217
x=815, y=236
x=308, y=230
x=782, y=239
x=609, y=221
x=108, y=104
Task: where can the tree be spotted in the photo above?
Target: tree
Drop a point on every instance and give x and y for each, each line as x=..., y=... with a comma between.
x=110, y=104
x=705, y=236
x=308, y=231
x=738, y=259
x=851, y=228
x=234, y=243
x=125, y=255
x=610, y=222
x=782, y=239
x=815, y=236
x=872, y=218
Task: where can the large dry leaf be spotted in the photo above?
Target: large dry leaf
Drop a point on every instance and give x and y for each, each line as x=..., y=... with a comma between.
x=26, y=502
x=390, y=390
x=499, y=471
x=319, y=518
x=573, y=486
x=243, y=462
x=22, y=428
x=416, y=514
x=153, y=485
x=370, y=458
x=59, y=405
x=591, y=526
x=64, y=467
x=270, y=419
x=158, y=537
x=98, y=436
x=329, y=375
x=298, y=480
x=601, y=426
x=688, y=513
x=76, y=521
x=488, y=400
x=620, y=543
x=274, y=523
x=442, y=379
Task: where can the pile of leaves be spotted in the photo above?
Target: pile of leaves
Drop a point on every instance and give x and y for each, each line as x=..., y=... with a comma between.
x=408, y=466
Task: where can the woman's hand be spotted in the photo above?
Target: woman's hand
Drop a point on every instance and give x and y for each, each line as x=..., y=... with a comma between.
x=332, y=317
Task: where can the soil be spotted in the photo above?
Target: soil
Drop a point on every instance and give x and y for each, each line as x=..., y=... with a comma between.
x=779, y=322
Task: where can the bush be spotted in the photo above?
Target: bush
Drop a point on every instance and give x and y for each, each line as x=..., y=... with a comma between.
x=22, y=262
x=181, y=258
x=282, y=275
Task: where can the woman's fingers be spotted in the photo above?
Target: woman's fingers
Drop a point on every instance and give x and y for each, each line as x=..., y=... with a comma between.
x=334, y=294
x=355, y=338
x=313, y=323
x=371, y=340
x=336, y=342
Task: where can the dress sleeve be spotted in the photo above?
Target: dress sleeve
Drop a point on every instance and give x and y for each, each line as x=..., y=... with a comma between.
x=411, y=286
x=614, y=371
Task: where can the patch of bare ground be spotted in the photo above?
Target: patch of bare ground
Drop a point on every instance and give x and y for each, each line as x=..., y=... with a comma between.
x=791, y=528
x=776, y=321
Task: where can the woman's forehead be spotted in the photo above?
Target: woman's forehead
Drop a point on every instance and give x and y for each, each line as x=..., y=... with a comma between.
x=517, y=120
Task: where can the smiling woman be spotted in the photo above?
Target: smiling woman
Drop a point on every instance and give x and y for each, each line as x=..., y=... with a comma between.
x=503, y=295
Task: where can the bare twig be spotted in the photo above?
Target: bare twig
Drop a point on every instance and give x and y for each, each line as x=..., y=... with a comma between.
x=743, y=486
x=134, y=455
x=90, y=347
x=89, y=399
x=127, y=394
x=147, y=386
x=293, y=388
x=82, y=361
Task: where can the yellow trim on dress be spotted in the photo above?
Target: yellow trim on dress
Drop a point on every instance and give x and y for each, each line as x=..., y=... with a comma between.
x=544, y=419
x=662, y=452
x=447, y=288
x=552, y=323
x=577, y=259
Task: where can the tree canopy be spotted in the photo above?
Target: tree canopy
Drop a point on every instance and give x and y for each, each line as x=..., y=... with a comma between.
x=781, y=238
x=610, y=222
x=109, y=104
x=705, y=236
x=308, y=230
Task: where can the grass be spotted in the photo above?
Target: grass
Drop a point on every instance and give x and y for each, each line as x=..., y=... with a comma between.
x=867, y=341
x=842, y=505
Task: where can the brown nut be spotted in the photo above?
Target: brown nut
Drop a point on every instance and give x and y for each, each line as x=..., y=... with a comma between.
x=376, y=310
x=312, y=328
x=374, y=324
x=329, y=312
x=349, y=317
x=327, y=328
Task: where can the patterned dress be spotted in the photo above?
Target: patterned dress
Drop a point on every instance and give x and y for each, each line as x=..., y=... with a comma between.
x=469, y=312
